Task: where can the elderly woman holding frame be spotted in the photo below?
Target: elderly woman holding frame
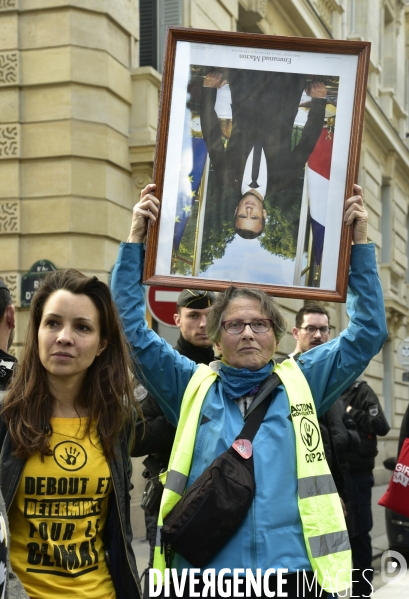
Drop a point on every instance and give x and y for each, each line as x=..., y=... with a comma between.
x=295, y=521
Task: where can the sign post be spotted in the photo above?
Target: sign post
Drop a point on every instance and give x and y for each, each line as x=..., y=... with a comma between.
x=31, y=280
x=162, y=303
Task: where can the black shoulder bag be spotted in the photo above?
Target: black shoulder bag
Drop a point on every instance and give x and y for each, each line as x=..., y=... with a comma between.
x=216, y=504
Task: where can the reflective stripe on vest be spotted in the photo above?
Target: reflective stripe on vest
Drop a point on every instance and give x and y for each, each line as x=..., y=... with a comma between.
x=329, y=543
x=322, y=516
x=316, y=485
x=176, y=482
x=175, y=479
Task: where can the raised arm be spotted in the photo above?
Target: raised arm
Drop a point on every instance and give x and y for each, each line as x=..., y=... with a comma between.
x=333, y=366
x=145, y=211
x=165, y=373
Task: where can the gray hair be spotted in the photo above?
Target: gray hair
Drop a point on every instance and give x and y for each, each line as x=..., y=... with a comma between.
x=268, y=306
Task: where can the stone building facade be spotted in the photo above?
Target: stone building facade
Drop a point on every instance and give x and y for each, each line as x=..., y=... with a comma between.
x=79, y=98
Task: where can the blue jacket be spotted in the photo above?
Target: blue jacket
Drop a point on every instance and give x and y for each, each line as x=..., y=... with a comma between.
x=271, y=535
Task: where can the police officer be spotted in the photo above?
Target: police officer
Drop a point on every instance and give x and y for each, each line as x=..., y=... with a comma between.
x=362, y=404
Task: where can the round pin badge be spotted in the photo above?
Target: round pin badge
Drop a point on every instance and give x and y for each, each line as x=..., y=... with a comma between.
x=243, y=447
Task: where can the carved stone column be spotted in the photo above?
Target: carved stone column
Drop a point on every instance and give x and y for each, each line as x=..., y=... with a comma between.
x=251, y=12
x=65, y=102
x=394, y=319
x=10, y=151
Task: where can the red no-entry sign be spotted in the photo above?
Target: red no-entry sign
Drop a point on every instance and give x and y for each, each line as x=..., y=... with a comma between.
x=162, y=303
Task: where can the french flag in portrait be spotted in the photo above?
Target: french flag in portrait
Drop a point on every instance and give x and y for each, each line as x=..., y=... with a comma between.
x=319, y=169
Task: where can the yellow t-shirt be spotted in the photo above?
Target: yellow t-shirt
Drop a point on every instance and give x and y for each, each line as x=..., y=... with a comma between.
x=58, y=515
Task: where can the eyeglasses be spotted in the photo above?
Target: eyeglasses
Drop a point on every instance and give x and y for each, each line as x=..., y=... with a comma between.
x=310, y=330
x=235, y=327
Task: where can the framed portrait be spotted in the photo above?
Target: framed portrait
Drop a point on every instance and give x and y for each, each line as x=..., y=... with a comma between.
x=258, y=148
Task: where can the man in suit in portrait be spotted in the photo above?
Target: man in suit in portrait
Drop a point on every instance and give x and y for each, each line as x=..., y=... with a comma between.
x=264, y=106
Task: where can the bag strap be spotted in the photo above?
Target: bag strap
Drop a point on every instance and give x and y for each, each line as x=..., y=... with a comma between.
x=266, y=387
x=253, y=423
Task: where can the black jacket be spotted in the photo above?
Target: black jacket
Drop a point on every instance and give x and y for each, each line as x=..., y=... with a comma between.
x=157, y=434
x=339, y=435
x=370, y=422
x=7, y=365
x=117, y=534
x=200, y=355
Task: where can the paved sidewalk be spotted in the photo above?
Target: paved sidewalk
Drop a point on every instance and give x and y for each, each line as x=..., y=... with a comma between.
x=394, y=590
x=141, y=550
x=378, y=533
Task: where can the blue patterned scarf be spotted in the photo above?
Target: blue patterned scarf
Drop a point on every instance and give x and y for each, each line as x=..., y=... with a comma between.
x=240, y=381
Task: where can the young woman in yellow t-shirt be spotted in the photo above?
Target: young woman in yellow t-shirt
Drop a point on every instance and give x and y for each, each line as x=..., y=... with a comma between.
x=66, y=432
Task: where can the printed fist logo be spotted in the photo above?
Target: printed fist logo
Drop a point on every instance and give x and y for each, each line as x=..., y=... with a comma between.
x=70, y=456
x=309, y=434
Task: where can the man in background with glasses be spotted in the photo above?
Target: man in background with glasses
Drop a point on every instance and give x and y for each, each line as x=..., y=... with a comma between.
x=311, y=327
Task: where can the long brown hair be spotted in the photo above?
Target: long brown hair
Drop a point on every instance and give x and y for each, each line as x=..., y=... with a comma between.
x=107, y=390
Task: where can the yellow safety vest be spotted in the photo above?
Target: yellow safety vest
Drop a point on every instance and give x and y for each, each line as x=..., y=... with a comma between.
x=322, y=518
x=175, y=479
